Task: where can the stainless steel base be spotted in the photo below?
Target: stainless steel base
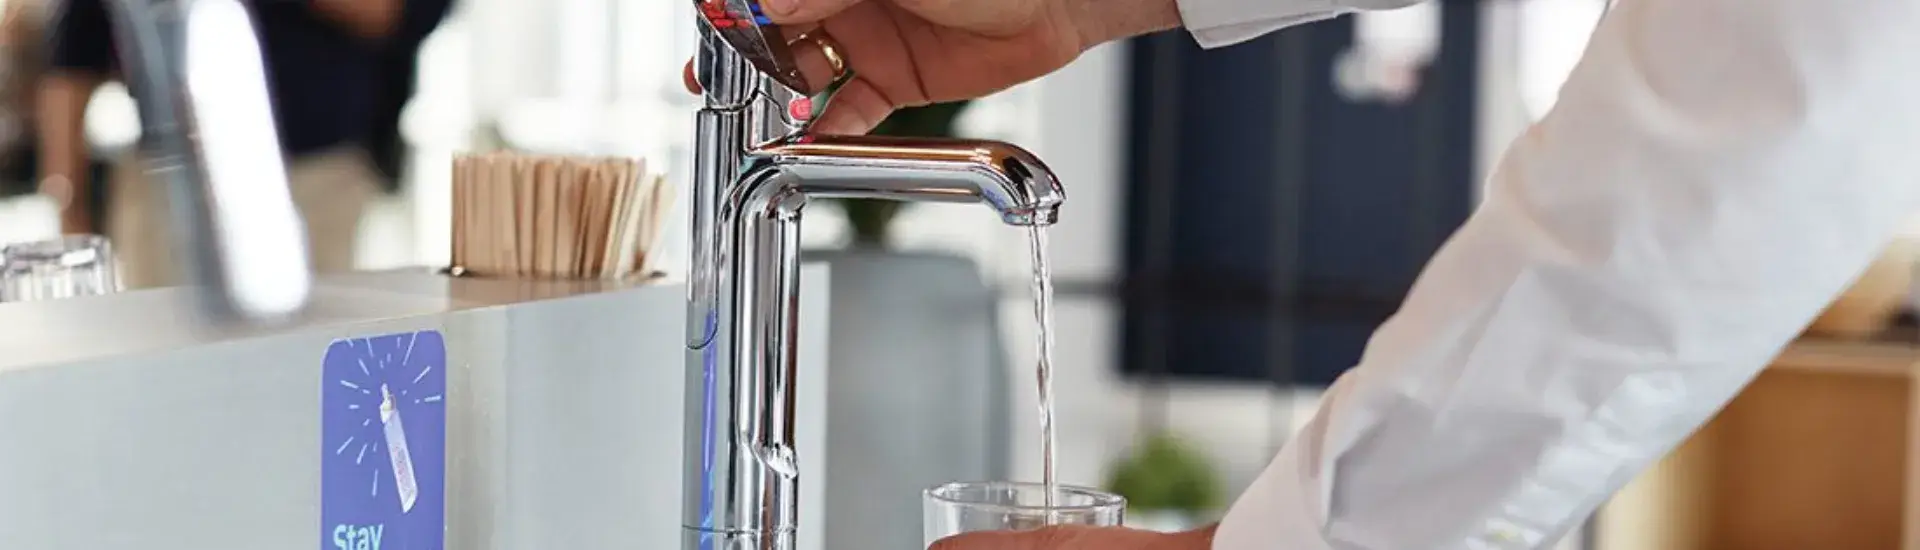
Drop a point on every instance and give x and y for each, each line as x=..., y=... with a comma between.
x=126, y=427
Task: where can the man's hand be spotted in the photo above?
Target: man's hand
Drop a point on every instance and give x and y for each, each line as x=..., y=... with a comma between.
x=1080, y=538
x=906, y=53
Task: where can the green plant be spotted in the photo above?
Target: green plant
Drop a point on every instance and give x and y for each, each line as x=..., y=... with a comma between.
x=871, y=219
x=1167, y=474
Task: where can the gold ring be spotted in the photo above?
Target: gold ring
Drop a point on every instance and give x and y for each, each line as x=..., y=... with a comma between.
x=829, y=49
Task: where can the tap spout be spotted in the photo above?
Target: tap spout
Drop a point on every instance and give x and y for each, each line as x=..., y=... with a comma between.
x=196, y=74
x=1006, y=178
x=742, y=478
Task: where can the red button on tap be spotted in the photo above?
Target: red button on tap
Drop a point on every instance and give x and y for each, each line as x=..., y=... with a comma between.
x=801, y=108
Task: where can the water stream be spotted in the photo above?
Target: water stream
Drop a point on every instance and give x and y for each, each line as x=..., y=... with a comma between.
x=1043, y=367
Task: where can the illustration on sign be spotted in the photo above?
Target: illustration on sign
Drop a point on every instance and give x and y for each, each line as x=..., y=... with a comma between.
x=384, y=443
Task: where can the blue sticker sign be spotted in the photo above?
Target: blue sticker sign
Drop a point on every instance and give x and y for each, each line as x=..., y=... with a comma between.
x=383, y=458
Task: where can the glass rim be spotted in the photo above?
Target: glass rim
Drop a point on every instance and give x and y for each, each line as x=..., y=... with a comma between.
x=63, y=251
x=1102, y=500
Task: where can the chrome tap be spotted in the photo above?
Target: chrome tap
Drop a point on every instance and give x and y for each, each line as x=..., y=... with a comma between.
x=195, y=72
x=755, y=169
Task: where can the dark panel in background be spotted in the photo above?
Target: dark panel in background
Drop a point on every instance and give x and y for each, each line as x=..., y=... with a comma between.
x=1272, y=224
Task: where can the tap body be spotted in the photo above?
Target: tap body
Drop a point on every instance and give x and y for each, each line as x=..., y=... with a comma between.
x=755, y=169
x=195, y=71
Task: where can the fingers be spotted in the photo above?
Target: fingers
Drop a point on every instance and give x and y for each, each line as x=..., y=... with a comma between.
x=862, y=103
x=821, y=59
x=817, y=63
x=854, y=109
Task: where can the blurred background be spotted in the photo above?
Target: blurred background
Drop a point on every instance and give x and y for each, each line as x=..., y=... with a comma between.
x=1239, y=222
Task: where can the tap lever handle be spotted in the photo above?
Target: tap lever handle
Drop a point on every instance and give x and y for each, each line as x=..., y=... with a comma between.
x=752, y=35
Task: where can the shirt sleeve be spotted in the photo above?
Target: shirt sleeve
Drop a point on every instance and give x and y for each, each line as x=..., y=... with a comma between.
x=1715, y=172
x=80, y=37
x=1217, y=23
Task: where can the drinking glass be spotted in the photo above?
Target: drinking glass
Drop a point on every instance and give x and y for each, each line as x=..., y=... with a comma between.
x=957, y=508
x=74, y=265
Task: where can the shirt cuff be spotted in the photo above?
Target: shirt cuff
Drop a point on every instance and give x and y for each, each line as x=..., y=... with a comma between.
x=1274, y=513
x=1218, y=23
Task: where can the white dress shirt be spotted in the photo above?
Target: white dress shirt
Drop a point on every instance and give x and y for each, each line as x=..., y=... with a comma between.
x=1714, y=172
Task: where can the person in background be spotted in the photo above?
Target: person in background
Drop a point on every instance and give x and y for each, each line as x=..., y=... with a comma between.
x=1713, y=174
x=400, y=62
x=23, y=35
x=23, y=38
x=329, y=70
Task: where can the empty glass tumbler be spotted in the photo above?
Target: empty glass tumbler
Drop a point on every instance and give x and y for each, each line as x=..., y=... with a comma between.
x=957, y=508
x=74, y=265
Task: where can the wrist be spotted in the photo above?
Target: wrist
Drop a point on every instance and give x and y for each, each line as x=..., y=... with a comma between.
x=1110, y=20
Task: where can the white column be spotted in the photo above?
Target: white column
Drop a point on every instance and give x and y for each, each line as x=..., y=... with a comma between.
x=513, y=51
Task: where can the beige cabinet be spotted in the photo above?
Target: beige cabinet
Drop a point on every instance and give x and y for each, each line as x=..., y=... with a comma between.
x=1820, y=452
